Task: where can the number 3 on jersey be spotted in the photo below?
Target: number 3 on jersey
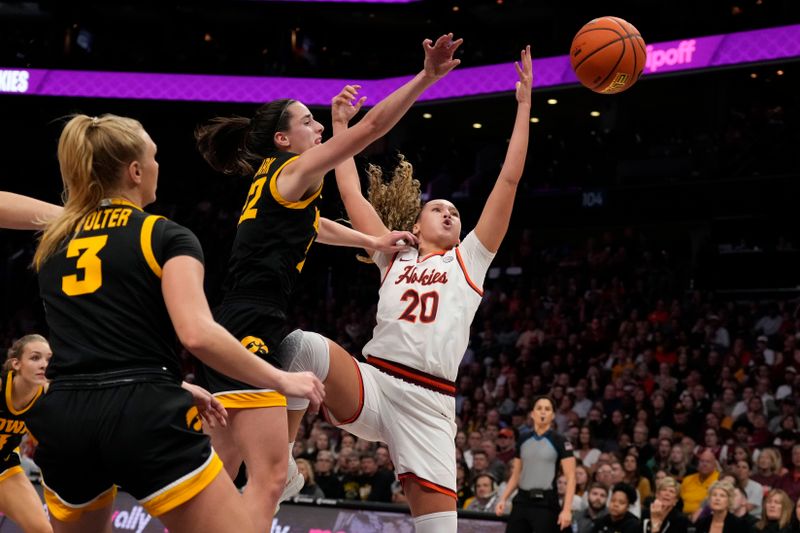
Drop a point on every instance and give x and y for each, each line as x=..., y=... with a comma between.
x=428, y=302
x=86, y=250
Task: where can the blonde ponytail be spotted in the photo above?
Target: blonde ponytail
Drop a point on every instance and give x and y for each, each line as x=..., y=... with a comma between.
x=92, y=152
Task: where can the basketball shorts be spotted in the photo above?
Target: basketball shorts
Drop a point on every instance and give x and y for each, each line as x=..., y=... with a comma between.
x=416, y=423
x=9, y=466
x=145, y=437
x=260, y=331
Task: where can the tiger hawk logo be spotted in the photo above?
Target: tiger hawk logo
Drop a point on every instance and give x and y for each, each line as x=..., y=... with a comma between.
x=255, y=345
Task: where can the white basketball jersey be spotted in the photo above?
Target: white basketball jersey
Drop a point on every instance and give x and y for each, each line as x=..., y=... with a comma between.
x=426, y=306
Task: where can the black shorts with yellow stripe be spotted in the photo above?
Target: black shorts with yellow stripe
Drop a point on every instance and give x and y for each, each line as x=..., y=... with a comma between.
x=144, y=437
x=260, y=330
x=9, y=466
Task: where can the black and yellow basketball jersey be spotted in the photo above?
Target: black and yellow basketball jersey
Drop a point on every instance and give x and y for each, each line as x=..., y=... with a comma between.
x=272, y=239
x=102, y=293
x=12, y=423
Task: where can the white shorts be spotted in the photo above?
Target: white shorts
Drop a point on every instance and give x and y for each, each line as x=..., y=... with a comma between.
x=416, y=423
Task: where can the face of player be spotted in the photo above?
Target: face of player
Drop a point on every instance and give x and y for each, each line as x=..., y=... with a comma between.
x=33, y=362
x=304, y=132
x=148, y=170
x=438, y=225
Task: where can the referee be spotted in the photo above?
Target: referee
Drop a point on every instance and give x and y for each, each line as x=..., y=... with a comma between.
x=534, y=470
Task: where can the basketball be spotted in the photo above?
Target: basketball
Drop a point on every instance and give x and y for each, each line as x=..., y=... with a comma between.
x=608, y=55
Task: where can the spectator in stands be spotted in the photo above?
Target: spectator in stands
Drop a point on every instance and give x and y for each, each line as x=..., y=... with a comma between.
x=740, y=510
x=777, y=514
x=473, y=445
x=310, y=487
x=695, y=487
x=603, y=474
x=596, y=508
x=721, y=519
x=633, y=476
x=463, y=487
x=664, y=513
x=383, y=460
x=660, y=460
x=790, y=481
x=768, y=468
x=619, y=519
x=496, y=467
x=485, y=489
x=582, y=477
x=586, y=453
x=506, y=443
x=678, y=464
x=752, y=489
x=324, y=476
x=375, y=485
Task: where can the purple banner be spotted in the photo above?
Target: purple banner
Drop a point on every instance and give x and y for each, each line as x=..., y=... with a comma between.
x=687, y=54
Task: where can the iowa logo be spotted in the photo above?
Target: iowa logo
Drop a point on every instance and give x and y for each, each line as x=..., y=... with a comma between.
x=255, y=345
x=193, y=420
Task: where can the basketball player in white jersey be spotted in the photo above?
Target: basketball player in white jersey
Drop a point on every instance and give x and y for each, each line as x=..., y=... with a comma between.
x=405, y=394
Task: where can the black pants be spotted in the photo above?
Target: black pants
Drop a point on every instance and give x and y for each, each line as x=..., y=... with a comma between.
x=527, y=517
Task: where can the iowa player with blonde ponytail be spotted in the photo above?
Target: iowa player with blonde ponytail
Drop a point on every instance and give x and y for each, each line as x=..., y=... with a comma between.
x=118, y=284
x=21, y=384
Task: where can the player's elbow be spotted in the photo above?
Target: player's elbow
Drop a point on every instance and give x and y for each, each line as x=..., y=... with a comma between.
x=195, y=336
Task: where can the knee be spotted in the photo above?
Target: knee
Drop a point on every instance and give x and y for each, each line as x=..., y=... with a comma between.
x=270, y=480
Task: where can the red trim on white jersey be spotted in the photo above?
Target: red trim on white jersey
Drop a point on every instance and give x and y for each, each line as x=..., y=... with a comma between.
x=466, y=274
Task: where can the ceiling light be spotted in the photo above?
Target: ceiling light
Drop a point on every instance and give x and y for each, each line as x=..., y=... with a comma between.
x=753, y=75
x=552, y=101
x=426, y=115
x=535, y=120
x=595, y=113
x=477, y=125
x=779, y=73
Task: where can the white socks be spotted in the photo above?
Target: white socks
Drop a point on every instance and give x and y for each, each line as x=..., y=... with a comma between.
x=446, y=522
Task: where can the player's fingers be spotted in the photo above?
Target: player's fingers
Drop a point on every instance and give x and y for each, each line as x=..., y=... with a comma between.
x=360, y=103
x=456, y=44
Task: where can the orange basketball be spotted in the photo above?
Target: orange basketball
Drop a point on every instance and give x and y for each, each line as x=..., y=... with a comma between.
x=608, y=55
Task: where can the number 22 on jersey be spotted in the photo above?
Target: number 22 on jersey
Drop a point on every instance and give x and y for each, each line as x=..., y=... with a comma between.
x=86, y=250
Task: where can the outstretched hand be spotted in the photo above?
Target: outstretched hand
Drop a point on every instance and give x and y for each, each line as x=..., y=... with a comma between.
x=395, y=241
x=439, y=55
x=525, y=73
x=346, y=104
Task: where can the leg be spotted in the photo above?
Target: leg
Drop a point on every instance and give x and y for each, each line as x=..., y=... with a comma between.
x=260, y=436
x=225, y=444
x=97, y=521
x=216, y=509
x=342, y=390
x=19, y=501
x=433, y=511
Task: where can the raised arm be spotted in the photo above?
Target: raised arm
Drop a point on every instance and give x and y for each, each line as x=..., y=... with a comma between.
x=182, y=286
x=312, y=165
x=362, y=214
x=493, y=224
x=23, y=212
x=336, y=234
